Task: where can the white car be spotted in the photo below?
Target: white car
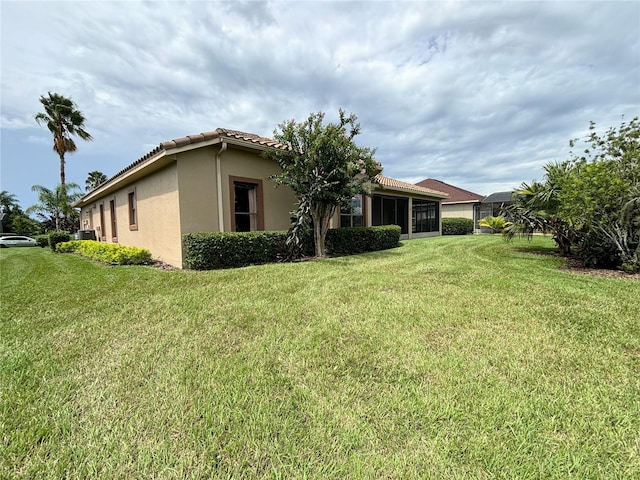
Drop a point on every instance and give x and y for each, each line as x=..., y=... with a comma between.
x=17, y=241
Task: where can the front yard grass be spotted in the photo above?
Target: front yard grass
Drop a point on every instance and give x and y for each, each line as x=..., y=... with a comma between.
x=450, y=357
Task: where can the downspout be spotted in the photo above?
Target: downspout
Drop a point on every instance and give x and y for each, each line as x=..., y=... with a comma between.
x=223, y=147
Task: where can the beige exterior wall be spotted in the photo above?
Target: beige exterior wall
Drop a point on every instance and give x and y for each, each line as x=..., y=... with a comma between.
x=158, y=227
x=278, y=202
x=197, y=184
x=458, y=210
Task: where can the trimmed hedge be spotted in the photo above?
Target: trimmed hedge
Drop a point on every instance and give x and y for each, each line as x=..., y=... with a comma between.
x=214, y=250
x=457, y=226
x=348, y=241
x=209, y=251
x=109, y=253
x=58, y=237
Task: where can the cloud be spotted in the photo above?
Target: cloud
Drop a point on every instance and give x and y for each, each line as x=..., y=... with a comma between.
x=15, y=123
x=40, y=140
x=478, y=94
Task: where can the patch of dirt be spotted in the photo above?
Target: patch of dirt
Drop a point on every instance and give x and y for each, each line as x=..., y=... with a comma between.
x=574, y=265
x=162, y=265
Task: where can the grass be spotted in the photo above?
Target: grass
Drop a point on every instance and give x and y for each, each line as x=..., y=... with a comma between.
x=450, y=357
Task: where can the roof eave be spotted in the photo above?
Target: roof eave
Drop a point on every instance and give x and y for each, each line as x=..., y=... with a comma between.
x=461, y=201
x=388, y=188
x=166, y=149
x=114, y=182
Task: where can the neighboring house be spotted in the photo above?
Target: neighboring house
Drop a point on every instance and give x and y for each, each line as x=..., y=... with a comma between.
x=219, y=181
x=492, y=205
x=459, y=204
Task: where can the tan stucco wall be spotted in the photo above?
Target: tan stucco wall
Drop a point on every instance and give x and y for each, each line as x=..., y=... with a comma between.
x=278, y=202
x=197, y=179
x=158, y=216
x=157, y=212
x=198, y=190
x=458, y=210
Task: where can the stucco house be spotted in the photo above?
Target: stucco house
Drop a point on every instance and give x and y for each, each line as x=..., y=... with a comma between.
x=460, y=203
x=219, y=181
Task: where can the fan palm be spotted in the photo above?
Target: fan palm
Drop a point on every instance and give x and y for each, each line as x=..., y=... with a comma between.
x=63, y=120
x=94, y=179
x=536, y=208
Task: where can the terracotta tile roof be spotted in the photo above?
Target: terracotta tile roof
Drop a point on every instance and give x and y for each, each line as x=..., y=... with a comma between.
x=249, y=137
x=456, y=194
x=189, y=139
x=407, y=187
x=222, y=133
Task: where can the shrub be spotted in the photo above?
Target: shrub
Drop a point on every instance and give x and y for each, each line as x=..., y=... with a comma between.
x=56, y=237
x=347, y=241
x=42, y=240
x=67, y=247
x=110, y=253
x=595, y=250
x=208, y=251
x=457, y=226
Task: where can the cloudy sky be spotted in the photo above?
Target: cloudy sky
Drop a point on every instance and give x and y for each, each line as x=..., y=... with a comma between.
x=477, y=94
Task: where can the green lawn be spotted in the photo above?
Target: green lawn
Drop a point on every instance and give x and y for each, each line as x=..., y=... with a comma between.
x=450, y=357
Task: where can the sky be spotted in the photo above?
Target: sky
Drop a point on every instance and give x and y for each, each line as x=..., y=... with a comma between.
x=477, y=94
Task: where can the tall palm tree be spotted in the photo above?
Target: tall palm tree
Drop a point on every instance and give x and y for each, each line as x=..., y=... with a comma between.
x=63, y=120
x=55, y=205
x=94, y=179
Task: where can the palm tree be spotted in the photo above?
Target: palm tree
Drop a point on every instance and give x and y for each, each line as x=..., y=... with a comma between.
x=63, y=120
x=95, y=179
x=496, y=224
x=55, y=205
x=7, y=201
x=536, y=208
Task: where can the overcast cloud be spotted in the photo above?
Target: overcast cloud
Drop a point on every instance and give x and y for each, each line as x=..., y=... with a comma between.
x=477, y=94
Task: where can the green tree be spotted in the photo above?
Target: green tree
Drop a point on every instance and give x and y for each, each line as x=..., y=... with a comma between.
x=13, y=219
x=324, y=167
x=63, y=120
x=54, y=206
x=8, y=201
x=22, y=224
x=600, y=195
x=8, y=205
x=94, y=180
x=591, y=201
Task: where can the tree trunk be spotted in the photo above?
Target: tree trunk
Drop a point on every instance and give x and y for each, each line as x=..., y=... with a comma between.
x=62, y=177
x=321, y=216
